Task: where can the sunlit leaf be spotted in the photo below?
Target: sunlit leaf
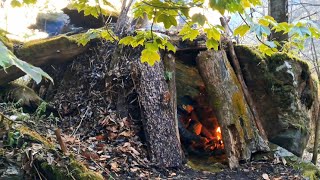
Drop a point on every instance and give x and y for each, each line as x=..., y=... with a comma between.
x=170, y=47
x=149, y=56
x=241, y=30
x=212, y=33
x=211, y=43
x=199, y=18
x=167, y=20
x=7, y=59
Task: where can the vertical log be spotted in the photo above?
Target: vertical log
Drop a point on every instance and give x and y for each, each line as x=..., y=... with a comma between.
x=240, y=134
x=239, y=75
x=170, y=73
x=158, y=116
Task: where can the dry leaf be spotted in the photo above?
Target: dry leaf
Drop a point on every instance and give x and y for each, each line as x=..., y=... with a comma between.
x=114, y=166
x=283, y=161
x=265, y=176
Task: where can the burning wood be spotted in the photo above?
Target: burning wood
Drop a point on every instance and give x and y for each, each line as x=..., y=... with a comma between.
x=197, y=118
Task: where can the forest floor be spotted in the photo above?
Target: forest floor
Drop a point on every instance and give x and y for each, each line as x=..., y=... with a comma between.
x=114, y=148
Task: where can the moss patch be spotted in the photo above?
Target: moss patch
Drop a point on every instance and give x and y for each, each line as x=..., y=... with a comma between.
x=75, y=170
x=209, y=164
x=35, y=136
x=309, y=170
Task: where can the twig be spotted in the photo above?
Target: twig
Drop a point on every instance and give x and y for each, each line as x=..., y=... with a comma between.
x=57, y=132
x=74, y=132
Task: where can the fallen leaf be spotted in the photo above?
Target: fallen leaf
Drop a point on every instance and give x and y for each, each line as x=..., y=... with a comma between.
x=114, y=166
x=265, y=176
x=283, y=161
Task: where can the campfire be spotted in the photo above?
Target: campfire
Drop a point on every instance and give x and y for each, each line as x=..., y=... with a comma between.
x=203, y=131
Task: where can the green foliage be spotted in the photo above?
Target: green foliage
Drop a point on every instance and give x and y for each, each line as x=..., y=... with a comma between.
x=7, y=59
x=91, y=34
x=17, y=3
x=152, y=43
x=93, y=9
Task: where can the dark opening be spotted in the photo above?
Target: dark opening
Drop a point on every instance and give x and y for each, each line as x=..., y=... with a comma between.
x=200, y=133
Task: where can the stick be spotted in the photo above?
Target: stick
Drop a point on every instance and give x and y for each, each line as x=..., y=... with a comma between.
x=57, y=132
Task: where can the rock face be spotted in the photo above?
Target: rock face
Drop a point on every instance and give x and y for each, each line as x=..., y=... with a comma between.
x=286, y=96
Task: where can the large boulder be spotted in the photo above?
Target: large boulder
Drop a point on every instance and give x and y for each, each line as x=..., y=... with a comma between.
x=286, y=96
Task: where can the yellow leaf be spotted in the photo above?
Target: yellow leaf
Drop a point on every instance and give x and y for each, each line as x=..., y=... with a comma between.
x=241, y=30
x=245, y=3
x=212, y=33
x=149, y=56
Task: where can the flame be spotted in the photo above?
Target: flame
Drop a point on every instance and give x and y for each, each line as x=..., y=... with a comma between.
x=218, y=130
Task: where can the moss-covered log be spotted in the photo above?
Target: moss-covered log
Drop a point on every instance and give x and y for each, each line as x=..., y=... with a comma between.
x=240, y=134
x=43, y=52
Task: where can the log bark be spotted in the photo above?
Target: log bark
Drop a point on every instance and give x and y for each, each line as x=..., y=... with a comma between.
x=239, y=75
x=170, y=70
x=43, y=52
x=240, y=134
x=158, y=116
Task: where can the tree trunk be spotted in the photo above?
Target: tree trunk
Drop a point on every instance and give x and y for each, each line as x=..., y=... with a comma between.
x=158, y=115
x=240, y=134
x=243, y=85
x=170, y=74
x=278, y=9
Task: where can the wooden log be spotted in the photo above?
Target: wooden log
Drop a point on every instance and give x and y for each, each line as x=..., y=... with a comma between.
x=239, y=75
x=43, y=52
x=158, y=116
x=240, y=135
x=170, y=75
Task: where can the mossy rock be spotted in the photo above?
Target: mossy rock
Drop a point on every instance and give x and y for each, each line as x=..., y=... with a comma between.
x=284, y=91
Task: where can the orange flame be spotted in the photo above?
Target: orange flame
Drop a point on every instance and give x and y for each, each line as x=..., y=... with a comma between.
x=218, y=130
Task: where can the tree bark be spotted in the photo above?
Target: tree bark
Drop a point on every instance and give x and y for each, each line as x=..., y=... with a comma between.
x=278, y=9
x=170, y=71
x=238, y=72
x=158, y=115
x=240, y=134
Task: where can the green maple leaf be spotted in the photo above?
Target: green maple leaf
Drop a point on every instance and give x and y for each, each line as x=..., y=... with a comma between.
x=199, y=18
x=241, y=30
x=149, y=56
x=211, y=43
x=167, y=20
x=212, y=33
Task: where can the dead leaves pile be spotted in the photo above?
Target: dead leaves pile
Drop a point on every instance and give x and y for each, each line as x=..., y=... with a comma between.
x=117, y=152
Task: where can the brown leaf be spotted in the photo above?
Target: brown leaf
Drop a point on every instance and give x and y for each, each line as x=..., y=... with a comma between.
x=90, y=155
x=100, y=137
x=125, y=134
x=114, y=166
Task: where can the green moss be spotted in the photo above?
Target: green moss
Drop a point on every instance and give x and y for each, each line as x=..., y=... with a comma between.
x=80, y=172
x=29, y=49
x=75, y=170
x=239, y=105
x=209, y=164
x=309, y=170
x=34, y=135
x=54, y=172
x=250, y=51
